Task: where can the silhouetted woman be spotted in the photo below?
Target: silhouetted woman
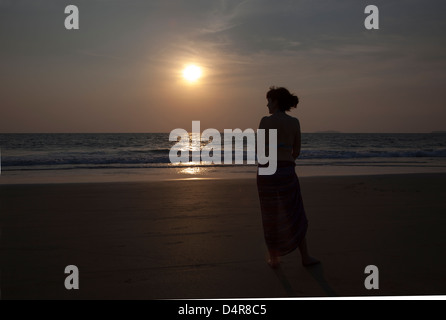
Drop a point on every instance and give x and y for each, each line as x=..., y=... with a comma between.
x=284, y=220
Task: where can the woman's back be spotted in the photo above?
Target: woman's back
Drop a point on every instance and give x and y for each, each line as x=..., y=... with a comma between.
x=288, y=134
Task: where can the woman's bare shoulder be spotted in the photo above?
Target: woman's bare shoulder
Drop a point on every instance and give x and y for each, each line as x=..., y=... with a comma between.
x=264, y=122
x=265, y=119
x=293, y=119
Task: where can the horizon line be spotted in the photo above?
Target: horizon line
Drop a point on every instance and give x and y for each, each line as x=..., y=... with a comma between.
x=308, y=132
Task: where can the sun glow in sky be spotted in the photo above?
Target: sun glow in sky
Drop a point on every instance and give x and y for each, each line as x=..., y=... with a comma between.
x=152, y=66
x=192, y=73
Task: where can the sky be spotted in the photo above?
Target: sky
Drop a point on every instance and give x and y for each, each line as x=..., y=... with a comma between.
x=122, y=70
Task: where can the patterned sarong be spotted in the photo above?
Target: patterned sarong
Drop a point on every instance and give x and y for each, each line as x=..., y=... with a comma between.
x=284, y=220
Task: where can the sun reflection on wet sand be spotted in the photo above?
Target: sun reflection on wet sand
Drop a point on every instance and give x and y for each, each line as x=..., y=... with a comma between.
x=193, y=170
x=195, y=173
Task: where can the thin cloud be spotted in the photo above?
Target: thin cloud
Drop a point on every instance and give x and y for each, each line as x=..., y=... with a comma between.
x=101, y=55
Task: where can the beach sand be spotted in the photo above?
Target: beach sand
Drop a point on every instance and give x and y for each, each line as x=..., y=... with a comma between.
x=204, y=239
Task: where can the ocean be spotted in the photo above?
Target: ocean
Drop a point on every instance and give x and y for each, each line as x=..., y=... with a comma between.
x=24, y=153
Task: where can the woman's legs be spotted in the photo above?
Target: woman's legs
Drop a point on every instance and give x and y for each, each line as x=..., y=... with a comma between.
x=307, y=260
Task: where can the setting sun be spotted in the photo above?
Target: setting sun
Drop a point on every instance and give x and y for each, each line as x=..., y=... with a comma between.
x=192, y=73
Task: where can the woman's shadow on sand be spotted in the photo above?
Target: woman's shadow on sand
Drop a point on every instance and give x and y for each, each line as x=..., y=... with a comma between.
x=316, y=271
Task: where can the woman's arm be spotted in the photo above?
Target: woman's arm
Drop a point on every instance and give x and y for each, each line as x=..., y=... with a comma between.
x=263, y=126
x=297, y=141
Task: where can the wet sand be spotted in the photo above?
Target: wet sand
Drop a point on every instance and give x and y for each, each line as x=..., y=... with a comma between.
x=204, y=239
